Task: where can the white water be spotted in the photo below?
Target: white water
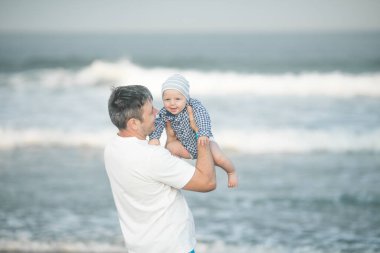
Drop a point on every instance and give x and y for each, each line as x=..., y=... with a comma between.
x=61, y=107
x=249, y=142
x=96, y=247
x=123, y=72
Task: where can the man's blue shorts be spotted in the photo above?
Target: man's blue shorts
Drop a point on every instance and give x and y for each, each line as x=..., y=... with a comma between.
x=192, y=251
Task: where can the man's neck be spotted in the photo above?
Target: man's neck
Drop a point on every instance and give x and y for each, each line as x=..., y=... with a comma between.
x=126, y=133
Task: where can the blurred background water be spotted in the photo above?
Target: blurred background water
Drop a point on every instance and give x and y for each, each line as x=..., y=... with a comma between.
x=298, y=113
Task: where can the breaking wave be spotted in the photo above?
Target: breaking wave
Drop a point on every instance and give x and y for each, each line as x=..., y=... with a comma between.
x=248, y=142
x=97, y=247
x=123, y=72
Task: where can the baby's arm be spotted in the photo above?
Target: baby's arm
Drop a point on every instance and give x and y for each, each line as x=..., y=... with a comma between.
x=202, y=119
x=154, y=137
x=203, y=140
x=193, y=124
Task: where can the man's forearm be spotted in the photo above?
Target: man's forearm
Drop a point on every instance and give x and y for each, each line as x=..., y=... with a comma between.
x=205, y=164
x=204, y=178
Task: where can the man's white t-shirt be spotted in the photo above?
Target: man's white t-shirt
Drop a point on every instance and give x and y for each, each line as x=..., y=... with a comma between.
x=145, y=181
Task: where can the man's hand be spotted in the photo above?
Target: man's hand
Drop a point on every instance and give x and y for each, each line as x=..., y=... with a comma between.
x=154, y=142
x=204, y=178
x=203, y=140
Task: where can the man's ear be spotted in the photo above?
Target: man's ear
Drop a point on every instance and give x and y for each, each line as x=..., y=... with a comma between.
x=133, y=124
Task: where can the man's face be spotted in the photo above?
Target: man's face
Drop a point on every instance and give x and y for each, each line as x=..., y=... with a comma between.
x=149, y=116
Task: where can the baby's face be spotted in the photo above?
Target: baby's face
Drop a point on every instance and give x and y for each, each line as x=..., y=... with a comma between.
x=174, y=101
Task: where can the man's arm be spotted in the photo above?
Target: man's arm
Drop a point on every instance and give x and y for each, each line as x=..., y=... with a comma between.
x=204, y=178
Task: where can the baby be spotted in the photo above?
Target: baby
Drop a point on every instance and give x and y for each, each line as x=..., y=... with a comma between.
x=177, y=103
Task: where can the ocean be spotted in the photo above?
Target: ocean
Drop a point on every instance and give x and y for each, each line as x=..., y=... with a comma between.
x=298, y=114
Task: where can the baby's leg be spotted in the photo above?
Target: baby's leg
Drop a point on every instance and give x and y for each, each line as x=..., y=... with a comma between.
x=222, y=161
x=177, y=149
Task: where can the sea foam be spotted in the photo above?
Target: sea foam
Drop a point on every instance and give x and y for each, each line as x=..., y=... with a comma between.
x=259, y=141
x=99, y=247
x=212, y=83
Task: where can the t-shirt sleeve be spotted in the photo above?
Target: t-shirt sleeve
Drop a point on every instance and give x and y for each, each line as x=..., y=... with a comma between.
x=169, y=169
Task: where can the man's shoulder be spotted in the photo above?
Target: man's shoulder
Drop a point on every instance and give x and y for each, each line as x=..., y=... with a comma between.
x=160, y=156
x=110, y=143
x=122, y=144
x=134, y=150
x=157, y=151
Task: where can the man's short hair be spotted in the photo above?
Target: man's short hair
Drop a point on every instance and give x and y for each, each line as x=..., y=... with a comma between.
x=126, y=102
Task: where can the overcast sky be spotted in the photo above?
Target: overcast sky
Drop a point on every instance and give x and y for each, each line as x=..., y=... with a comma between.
x=183, y=16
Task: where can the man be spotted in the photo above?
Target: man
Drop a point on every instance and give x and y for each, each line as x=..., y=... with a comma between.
x=146, y=179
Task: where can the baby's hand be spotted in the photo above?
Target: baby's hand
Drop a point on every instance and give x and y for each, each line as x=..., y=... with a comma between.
x=203, y=140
